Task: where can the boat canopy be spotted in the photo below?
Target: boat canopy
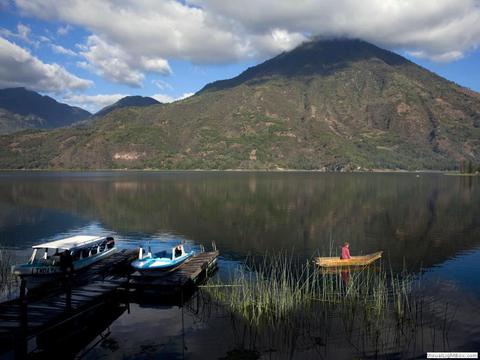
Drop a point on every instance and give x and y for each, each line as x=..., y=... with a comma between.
x=71, y=242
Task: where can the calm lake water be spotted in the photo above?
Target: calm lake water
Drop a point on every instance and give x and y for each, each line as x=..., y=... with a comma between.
x=426, y=223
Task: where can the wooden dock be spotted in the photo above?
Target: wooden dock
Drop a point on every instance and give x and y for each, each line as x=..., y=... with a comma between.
x=46, y=307
x=192, y=272
x=36, y=314
x=117, y=263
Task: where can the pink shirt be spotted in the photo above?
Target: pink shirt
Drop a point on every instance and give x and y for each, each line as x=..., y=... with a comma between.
x=345, y=253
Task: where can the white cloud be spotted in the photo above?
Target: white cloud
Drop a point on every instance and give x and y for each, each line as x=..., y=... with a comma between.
x=64, y=30
x=93, y=103
x=155, y=65
x=163, y=98
x=118, y=65
x=44, y=39
x=6, y=33
x=436, y=29
x=18, y=67
x=110, y=62
x=130, y=38
x=162, y=85
x=445, y=57
x=58, y=49
x=185, y=95
x=23, y=33
x=276, y=41
x=149, y=28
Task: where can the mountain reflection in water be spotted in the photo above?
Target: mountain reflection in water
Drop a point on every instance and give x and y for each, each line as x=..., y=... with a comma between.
x=426, y=222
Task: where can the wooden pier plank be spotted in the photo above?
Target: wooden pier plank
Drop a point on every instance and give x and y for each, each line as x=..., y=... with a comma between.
x=90, y=287
x=185, y=273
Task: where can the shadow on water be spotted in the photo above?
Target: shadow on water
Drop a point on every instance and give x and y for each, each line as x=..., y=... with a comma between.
x=74, y=339
x=80, y=334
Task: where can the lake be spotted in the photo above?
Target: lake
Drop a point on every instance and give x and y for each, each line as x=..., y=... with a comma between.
x=426, y=223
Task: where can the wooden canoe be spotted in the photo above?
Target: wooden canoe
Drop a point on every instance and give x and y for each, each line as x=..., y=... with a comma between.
x=350, y=269
x=336, y=262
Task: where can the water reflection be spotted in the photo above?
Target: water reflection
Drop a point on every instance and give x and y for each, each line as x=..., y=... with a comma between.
x=429, y=222
x=424, y=220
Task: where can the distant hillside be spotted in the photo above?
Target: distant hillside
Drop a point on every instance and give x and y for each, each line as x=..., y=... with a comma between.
x=23, y=109
x=128, y=101
x=327, y=105
x=11, y=122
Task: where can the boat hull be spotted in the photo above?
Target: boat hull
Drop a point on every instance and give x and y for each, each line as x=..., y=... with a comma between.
x=159, y=266
x=355, y=261
x=37, y=273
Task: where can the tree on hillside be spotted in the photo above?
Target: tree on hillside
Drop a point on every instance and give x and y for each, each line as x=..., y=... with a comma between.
x=469, y=167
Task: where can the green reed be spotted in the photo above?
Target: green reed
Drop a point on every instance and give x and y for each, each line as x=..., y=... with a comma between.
x=7, y=279
x=282, y=303
x=5, y=266
x=279, y=287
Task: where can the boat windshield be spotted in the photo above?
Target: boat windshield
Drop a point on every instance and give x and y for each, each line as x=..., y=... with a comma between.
x=47, y=257
x=161, y=254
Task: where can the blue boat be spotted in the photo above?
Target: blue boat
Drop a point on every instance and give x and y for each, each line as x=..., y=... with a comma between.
x=163, y=261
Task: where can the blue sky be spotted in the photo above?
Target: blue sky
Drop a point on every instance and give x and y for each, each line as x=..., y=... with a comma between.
x=91, y=53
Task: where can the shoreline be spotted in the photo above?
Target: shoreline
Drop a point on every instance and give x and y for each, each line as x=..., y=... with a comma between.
x=147, y=170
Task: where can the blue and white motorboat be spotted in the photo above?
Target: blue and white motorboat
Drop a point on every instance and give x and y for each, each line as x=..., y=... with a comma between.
x=52, y=259
x=163, y=261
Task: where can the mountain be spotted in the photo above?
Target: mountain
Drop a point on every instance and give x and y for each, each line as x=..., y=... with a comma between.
x=327, y=105
x=128, y=101
x=321, y=58
x=23, y=109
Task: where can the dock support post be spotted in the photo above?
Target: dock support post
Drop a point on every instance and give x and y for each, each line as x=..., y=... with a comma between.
x=128, y=294
x=183, y=327
x=68, y=292
x=20, y=338
x=23, y=285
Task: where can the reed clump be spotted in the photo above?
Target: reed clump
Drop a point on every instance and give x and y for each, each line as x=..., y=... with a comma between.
x=278, y=288
x=5, y=266
x=291, y=305
x=8, y=281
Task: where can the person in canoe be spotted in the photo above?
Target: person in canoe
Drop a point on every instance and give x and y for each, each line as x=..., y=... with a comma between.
x=345, y=251
x=345, y=274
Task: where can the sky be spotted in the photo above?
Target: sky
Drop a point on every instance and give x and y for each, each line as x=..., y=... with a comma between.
x=92, y=53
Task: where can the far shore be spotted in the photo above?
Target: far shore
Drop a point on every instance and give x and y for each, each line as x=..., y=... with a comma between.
x=277, y=170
